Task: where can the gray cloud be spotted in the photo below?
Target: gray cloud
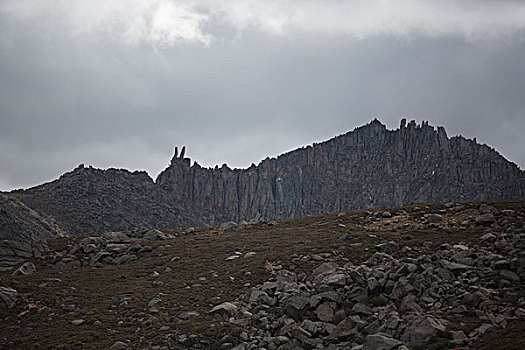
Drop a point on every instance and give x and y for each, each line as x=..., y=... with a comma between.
x=163, y=23
x=86, y=94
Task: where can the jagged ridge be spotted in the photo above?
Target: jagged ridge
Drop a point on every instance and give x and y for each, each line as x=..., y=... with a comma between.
x=368, y=167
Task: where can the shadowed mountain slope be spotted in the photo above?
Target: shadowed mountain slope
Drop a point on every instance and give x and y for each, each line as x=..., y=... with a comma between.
x=89, y=200
x=19, y=222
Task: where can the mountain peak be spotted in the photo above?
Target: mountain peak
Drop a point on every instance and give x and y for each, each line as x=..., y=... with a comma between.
x=365, y=168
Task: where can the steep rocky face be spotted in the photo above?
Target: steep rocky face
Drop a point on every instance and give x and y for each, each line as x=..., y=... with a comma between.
x=87, y=201
x=368, y=167
x=18, y=221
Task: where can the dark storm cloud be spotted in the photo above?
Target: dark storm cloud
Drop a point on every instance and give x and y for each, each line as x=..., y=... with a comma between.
x=237, y=83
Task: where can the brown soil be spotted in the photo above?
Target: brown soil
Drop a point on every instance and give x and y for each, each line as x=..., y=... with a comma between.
x=97, y=291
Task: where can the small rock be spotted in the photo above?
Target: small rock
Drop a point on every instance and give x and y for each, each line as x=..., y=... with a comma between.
x=381, y=341
x=458, y=337
x=27, y=268
x=232, y=257
x=485, y=219
x=118, y=345
x=388, y=247
x=422, y=328
x=346, y=237
x=188, y=315
x=155, y=235
x=519, y=312
x=488, y=237
x=78, y=322
x=434, y=218
x=154, y=302
x=227, y=308
x=8, y=297
x=227, y=225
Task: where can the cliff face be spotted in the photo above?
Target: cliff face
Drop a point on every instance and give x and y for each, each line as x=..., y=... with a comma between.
x=368, y=167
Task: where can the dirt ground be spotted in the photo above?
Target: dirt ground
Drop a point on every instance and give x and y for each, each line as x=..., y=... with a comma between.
x=201, y=278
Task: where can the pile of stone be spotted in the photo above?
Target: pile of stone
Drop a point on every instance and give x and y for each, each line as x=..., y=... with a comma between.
x=386, y=303
x=13, y=254
x=111, y=248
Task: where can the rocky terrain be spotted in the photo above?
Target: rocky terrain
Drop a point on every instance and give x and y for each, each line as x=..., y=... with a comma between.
x=21, y=223
x=368, y=167
x=89, y=200
x=425, y=276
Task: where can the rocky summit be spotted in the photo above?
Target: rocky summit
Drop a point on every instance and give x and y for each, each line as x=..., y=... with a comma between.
x=425, y=276
x=368, y=167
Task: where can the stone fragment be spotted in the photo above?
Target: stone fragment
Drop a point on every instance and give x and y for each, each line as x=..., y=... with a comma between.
x=8, y=296
x=484, y=219
x=434, y=218
x=123, y=259
x=297, y=306
x=188, y=315
x=227, y=225
x=116, y=237
x=27, y=268
x=381, y=341
x=335, y=279
x=388, y=247
x=488, y=237
x=232, y=257
x=422, y=328
x=458, y=337
x=154, y=302
x=69, y=263
x=155, y=235
x=226, y=308
x=325, y=312
x=509, y=275
x=118, y=345
x=362, y=309
x=346, y=237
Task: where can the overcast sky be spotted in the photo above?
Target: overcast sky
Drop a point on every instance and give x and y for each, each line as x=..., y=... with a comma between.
x=120, y=83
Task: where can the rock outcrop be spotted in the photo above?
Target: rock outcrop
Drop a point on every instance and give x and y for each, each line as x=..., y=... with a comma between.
x=368, y=167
